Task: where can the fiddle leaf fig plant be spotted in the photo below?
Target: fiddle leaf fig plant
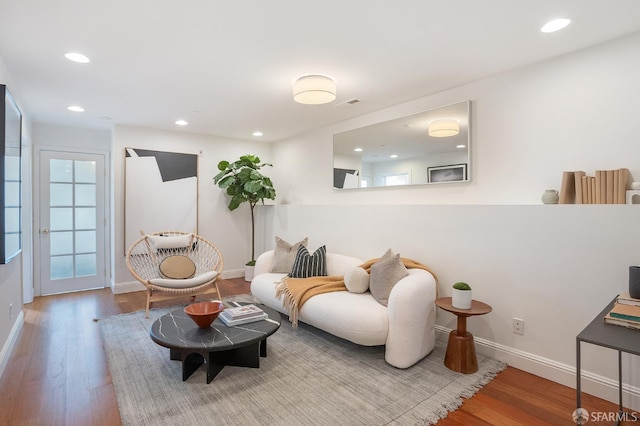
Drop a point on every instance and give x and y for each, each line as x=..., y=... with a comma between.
x=244, y=183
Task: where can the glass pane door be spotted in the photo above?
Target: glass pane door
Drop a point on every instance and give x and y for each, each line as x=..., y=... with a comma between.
x=72, y=222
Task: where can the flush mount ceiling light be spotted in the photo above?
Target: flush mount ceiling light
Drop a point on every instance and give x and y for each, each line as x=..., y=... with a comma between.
x=76, y=57
x=314, y=90
x=443, y=128
x=555, y=25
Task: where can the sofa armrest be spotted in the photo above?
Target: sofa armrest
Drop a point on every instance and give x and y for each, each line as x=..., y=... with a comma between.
x=263, y=263
x=412, y=318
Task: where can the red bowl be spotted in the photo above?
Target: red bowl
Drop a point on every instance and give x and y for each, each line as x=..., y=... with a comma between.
x=204, y=313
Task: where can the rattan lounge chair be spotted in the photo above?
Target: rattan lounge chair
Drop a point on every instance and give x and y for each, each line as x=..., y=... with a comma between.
x=175, y=264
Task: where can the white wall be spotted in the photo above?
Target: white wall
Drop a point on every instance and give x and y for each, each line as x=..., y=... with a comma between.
x=554, y=266
x=528, y=126
x=51, y=135
x=229, y=231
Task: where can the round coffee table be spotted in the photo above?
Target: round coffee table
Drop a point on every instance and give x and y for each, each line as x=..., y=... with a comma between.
x=461, y=351
x=217, y=346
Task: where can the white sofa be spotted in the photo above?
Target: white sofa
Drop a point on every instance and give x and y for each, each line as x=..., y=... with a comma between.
x=405, y=327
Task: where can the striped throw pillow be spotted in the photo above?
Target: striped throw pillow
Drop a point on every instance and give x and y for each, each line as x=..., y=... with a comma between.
x=309, y=265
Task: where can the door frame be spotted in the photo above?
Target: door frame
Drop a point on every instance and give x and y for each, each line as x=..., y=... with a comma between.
x=37, y=250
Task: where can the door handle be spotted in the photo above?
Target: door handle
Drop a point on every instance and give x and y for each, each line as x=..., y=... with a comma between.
x=45, y=231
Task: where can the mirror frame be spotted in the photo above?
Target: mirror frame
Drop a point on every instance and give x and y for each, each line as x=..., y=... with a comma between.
x=422, y=159
x=10, y=177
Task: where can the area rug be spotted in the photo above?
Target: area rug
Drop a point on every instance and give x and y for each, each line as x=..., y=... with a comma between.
x=308, y=378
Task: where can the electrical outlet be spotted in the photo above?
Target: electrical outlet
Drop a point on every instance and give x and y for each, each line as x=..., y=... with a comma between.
x=10, y=311
x=518, y=326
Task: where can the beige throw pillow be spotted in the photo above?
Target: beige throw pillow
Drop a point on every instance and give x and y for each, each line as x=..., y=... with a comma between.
x=356, y=280
x=285, y=254
x=177, y=267
x=385, y=273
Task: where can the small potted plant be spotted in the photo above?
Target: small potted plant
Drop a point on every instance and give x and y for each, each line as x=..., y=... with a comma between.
x=461, y=297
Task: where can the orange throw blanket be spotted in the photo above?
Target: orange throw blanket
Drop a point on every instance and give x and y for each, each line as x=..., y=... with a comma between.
x=296, y=291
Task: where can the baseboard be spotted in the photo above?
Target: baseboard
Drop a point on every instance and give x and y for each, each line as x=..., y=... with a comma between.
x=564, y=374
x=5, y=353
x=127, y=287
x=232, y=273
x=131, y=286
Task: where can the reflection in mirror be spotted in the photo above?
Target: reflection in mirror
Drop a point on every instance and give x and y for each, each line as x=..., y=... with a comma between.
x=428, y=147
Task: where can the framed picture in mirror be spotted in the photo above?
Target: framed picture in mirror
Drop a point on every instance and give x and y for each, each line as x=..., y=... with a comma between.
x=10, y=173
x=406, y=146
x=451, y=173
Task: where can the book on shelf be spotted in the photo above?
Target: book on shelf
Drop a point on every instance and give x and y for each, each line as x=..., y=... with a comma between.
x=620, y=322
x=626, y=299
x=244, y=311
x=605, y=187
x=227, y=320
x=626, y=312
x=578, y=180
x=568, y=188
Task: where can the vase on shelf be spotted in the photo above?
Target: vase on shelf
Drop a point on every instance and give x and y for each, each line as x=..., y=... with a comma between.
x=550, y=196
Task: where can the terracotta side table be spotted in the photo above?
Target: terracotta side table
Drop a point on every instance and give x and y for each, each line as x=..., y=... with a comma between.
x=461, y=351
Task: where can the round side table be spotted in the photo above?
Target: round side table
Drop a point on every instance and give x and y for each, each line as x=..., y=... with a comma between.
x=461, y=351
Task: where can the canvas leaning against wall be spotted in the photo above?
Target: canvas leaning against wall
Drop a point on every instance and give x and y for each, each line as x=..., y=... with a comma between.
x=161, y=192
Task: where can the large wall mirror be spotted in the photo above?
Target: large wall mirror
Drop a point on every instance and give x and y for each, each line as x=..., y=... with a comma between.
x=10, y=191
x=425, y=148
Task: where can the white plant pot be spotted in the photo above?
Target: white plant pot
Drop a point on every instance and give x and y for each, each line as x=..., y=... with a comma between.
x=461, y=299
x=248, y=272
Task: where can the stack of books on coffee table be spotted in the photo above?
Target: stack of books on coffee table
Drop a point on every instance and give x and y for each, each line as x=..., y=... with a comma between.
x=242, y=315
x=625, y=312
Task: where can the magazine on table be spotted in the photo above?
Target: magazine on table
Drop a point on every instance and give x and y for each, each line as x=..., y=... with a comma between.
x=244, y=311
x=227, y=320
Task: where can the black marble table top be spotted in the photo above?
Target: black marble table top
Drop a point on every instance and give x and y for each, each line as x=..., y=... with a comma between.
x=176, y=330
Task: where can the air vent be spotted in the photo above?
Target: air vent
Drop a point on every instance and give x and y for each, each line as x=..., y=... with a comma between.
x=348, y=102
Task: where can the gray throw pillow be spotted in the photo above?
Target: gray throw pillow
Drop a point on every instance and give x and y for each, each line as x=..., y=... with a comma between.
x=385, y=273
x=285, y=254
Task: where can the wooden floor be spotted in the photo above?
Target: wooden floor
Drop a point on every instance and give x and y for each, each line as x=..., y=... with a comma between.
x=58, y=375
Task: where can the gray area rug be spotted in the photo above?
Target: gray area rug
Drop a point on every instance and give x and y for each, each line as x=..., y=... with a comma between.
x=308, y=378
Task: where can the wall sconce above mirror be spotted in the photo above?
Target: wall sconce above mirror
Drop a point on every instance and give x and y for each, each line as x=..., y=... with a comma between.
x=429, y=147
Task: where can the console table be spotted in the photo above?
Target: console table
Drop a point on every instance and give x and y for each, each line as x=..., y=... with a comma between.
x=461, y=351
x=610, y=336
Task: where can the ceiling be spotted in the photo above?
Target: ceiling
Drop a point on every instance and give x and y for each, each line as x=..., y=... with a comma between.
x=227, y=67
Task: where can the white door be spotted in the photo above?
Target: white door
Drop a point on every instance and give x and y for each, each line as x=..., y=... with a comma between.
x=72, y=222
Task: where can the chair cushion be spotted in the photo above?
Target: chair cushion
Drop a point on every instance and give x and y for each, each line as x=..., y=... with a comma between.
x=309, y=265
x=189, y=282
x=285, y=254
x=356, y=280
x=385, y=273
x=177, y=267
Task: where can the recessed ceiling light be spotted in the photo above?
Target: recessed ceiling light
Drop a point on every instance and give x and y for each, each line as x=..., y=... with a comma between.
x=394, y=156
x=257, y=133
x=555, y=25
x=75, y=108
x=358, y=149
x=181, y=122
x=77, y=57
x=461, y=146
